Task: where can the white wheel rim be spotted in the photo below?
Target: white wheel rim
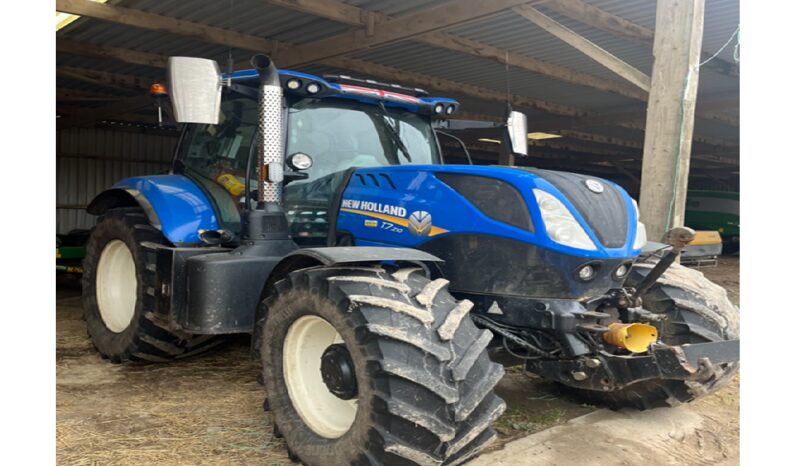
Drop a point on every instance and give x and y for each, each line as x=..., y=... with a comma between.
x=116, y=286
x=322, y=411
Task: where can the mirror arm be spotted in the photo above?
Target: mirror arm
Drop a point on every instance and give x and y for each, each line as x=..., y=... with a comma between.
x=459, y=141
x=244, y=90
x=294, y=176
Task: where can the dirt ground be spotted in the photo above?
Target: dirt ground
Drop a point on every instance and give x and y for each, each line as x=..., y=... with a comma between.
x=727, y=275
x=208, y=410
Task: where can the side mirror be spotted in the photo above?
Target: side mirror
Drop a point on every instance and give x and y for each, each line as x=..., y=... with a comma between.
x=299, y=161
x=195, y=88
x=517, y=133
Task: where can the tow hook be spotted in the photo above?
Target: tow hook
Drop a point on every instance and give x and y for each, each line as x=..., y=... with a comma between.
x=634, y=337
x=677, y=238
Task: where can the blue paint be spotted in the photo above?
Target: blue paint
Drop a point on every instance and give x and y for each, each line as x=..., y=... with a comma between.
x=182, y=208
x=417, y=189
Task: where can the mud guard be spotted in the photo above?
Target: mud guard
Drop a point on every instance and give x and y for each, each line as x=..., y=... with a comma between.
x=174, y=204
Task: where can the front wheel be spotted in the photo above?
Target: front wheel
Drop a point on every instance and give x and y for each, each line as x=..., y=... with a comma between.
x=365, y=366
x=119, y=293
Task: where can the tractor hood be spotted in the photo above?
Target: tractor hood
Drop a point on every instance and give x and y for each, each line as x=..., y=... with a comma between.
x=546, y=223
x=491, y=200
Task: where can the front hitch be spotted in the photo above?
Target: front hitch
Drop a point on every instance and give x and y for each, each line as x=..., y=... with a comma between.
x=609, y=372
x=677, y=238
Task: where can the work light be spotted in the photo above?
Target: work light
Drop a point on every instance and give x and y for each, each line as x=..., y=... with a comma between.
x=561, y=226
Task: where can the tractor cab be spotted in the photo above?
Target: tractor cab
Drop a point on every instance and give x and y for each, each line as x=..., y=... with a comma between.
x=331, y=127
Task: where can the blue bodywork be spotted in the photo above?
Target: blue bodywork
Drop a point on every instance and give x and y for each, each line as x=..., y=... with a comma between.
x=417, y=189
x=179, y=205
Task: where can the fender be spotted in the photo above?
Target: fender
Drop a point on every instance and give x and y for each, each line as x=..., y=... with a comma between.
x=351, y=254
x=311, y=257
x=174, y=204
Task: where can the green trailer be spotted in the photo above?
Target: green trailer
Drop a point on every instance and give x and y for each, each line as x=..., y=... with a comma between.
x=718, y=211
x=70, y=249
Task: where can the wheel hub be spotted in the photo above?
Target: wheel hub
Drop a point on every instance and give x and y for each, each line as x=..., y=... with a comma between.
x=306, y=343
x=338, y=372
x=116, y=286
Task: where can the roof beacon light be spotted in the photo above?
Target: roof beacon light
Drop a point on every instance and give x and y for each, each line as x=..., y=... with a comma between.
x=158, y=90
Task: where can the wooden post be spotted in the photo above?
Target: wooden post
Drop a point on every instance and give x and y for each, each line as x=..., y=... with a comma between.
x=670, y=114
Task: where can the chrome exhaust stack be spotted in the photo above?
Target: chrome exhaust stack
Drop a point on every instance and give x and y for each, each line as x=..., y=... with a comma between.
x=267, y=221
x=270, y=132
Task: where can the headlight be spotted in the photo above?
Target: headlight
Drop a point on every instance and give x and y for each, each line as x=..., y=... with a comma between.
x=640, y=236
x=561, y=226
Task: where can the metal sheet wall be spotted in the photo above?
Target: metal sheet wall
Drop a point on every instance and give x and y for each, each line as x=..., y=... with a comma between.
x=90, y=160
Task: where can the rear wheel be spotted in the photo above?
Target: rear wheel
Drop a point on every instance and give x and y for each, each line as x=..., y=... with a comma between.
x=119, y=293
x=365, y=366
x=697, y=311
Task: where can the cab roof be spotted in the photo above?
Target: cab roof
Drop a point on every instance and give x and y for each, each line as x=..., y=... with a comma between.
x=367, y=91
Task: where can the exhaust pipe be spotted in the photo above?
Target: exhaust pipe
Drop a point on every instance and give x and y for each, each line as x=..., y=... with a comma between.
x=634, y=337
x=267, y=221
x=270, y=129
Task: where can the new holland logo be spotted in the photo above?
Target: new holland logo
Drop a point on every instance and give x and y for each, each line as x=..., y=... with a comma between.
x=420, y=223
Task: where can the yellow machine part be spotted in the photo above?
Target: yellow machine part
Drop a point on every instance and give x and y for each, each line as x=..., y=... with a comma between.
x=705, y=237
x=231, y=184
x=634, y=337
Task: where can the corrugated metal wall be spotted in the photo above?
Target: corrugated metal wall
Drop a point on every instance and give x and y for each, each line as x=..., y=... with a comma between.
x=90, y=160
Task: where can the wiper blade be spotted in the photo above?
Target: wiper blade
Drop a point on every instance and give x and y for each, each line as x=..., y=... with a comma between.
x=397, y=139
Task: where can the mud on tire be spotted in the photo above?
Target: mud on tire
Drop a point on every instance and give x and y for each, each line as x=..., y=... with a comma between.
x=424, y=380
x=697, y=311
x=147, y=337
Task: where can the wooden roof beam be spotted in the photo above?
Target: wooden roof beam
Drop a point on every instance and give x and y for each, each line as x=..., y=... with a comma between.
x=338, y=11
x=331, y=9
x=358, y=17
x=72, y=95
x=603, y=57
x=110, y=53
x=605, y=21
x=160, y=23
x=120, y=107
x=441, y=16
x=103, y=78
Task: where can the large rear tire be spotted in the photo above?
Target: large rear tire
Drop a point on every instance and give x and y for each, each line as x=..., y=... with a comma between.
x=423, y=382
x=697, y=311
x=119, y=293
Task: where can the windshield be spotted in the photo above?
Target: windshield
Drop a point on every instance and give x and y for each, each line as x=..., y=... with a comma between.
x=340, y=134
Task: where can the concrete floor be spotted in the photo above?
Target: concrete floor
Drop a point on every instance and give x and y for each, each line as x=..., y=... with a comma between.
x=208, y=411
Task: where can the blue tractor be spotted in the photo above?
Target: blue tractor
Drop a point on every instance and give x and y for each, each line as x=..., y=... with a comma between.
x=377, y=282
